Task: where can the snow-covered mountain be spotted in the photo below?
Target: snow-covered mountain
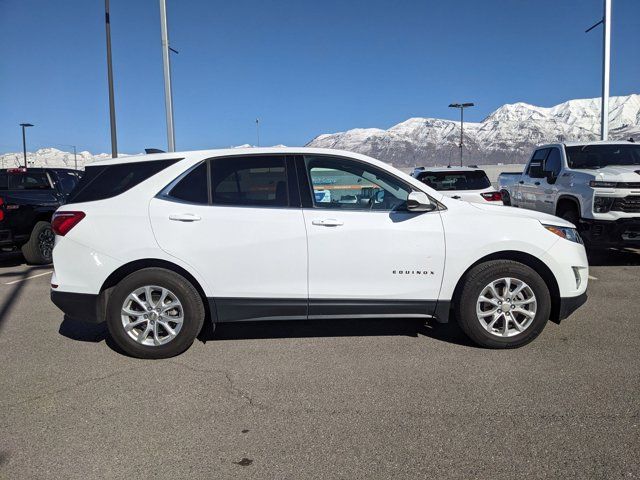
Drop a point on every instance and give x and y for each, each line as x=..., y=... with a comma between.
x=50, y=157
x=505, y=136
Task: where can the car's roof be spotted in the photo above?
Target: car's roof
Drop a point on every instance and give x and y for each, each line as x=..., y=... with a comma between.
x=36, y=169
x=225, y=152
x=450, y=169
x=599, y=142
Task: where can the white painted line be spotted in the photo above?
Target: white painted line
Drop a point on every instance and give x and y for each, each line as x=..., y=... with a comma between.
x=28, y=278
x=592, y=278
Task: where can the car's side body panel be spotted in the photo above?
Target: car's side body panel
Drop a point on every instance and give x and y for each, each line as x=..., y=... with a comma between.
x=241, y=251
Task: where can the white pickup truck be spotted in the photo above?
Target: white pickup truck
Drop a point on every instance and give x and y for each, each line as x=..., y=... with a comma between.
x=595, y=185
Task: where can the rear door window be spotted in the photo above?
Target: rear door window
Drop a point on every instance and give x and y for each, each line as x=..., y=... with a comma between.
x=100, y=182
x=259, y=181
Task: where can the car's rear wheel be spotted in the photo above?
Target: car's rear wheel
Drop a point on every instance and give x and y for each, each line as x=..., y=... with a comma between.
x=39, y=248
x=503, y=304
x=506, y=198
x=154, y=313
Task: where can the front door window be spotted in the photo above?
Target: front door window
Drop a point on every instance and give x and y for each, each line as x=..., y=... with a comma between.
x=348, y=185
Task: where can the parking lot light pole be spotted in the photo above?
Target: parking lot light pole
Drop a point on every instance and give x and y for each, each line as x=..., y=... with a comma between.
x=112, y=108
x=461, y=106
x=75, y=155
x=606, y=65
x=24, y=141
x=166, y=64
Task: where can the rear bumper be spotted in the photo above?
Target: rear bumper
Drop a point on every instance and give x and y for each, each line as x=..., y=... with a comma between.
x=79, y=306
x=614, y=233
x=568, y=305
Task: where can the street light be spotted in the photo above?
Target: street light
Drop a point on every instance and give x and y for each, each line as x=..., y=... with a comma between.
x=166, y=64
x=461, y=106
x=112, y=107
x=606, y=56
x=75, y=156
x=24, y=142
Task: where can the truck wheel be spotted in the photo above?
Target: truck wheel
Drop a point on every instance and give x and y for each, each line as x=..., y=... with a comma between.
x=570, y=214
x=503, y=304
x=506, y=199
x=154, y=313
x=39, y=247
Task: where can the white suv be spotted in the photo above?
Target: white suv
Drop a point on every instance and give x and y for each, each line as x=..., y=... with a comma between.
x=158, y=244
x=462, y=183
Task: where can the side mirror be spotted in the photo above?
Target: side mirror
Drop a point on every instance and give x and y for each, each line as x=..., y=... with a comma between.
x=419, y=202
x=551, y=178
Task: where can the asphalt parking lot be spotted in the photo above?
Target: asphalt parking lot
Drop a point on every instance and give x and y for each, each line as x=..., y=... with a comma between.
x=340, y=399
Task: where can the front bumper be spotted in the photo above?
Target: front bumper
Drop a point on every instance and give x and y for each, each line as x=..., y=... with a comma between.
x=613, y=233
x=79, y=306
x=568, y=305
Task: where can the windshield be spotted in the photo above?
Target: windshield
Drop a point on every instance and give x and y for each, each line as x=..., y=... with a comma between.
x=598, y=156
x=468, y=180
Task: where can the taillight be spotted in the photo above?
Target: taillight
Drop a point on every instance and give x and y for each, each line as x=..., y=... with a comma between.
x=62, y=222
x=1, y=209
x=492, y=196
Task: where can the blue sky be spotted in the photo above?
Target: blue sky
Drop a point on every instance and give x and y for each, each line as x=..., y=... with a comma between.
x=303, y=67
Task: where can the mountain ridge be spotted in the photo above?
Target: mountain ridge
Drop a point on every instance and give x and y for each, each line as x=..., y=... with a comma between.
x=506, y=135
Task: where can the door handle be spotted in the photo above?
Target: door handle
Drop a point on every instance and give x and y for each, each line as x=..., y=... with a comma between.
x=184, y=217
x=457, y=197
x=537, y=183
x=330, y=222
x=521, y=182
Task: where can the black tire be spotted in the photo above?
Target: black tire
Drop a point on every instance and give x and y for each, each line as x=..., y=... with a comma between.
x=570, y=214
x=39, y=248
x=193, y=313
x=506, y=199
x=474, y=283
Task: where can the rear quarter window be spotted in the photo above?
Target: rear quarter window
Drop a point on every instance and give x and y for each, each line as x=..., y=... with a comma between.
x=100, y=182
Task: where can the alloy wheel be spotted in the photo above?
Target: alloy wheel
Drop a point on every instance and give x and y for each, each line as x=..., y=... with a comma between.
x=506, y=307
x=46, y=240
x=152, y=315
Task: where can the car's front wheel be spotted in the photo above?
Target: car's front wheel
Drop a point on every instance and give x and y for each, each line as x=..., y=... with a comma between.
x=154, y=313
x=503, y=304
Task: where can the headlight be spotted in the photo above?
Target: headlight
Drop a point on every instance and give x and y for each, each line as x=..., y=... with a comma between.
x=602, y=204
x=567, y=233
x=597, y=184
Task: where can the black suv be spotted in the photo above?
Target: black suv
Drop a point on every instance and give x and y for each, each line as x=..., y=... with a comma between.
x=28, y=198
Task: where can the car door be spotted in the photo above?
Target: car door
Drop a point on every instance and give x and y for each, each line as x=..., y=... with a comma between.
x=238, y=222
x=529, y=186
x=368, y=255
x=546, y=199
